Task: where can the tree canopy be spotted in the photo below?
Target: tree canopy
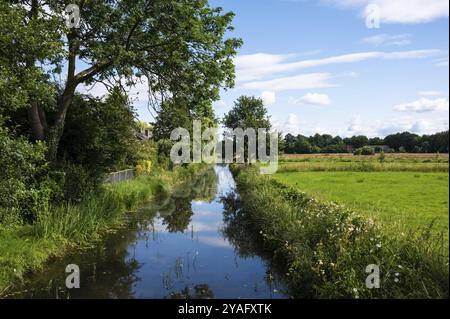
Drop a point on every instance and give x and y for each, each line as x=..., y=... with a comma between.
x=405, y=141
x=178, y=47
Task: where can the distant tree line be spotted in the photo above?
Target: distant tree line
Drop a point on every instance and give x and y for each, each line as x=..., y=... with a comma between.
x=399, y=142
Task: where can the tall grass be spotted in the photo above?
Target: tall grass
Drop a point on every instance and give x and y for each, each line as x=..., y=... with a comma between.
x=325, y=248
x=99, y=212
x=58, y=228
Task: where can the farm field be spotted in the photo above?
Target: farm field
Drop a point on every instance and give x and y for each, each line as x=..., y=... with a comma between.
x=346, y=157
x=411, y=195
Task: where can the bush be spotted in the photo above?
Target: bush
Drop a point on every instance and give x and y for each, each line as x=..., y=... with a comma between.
x=100, y=135
x=143, y=167
x=25, y=187
x=80, y=182
x=164, y=147
x=381, y=157
x=364, y=151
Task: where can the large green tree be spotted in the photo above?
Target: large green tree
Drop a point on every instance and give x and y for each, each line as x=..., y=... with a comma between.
x=178, y=46
x=248, y=113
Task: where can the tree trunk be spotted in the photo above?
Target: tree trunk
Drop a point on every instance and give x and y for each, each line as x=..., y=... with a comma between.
x=54, y=133
x=35, y=116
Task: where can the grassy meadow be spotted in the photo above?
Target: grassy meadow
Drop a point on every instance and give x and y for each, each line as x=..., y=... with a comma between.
x=405, y=190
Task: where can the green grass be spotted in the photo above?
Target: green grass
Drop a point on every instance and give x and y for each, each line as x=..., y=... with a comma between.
x=324, y=248
x=26, y=248
x=405, y=198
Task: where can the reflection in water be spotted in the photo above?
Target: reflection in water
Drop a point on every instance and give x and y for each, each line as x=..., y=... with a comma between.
x=176, y=209
x=200, y=292
x=180, y=217
x=183, y=245
x=238, y=231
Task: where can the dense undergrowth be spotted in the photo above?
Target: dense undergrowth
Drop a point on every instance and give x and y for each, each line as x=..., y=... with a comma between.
x=324, y=249
x=58, y=228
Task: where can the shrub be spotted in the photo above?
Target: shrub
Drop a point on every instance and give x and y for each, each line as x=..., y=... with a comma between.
x=164, y=147
x=365, y=151
x=381, y=157
x=100, y=135
x=143, y=167
x=80, y=182
x=25, y=187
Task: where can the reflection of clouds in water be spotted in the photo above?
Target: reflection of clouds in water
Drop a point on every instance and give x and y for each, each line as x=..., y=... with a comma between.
x=214, y=241
x=226, y=181
x=159, y=227
x=204, y=212
x=199, y=227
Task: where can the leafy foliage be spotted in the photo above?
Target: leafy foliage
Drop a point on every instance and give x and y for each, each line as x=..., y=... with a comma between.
x=177, y=47
x=406, y=142
x=25, y=188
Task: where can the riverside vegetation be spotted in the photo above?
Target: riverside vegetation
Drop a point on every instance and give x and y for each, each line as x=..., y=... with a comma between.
x=59, y=228
x=57, y=145
x=324, y=248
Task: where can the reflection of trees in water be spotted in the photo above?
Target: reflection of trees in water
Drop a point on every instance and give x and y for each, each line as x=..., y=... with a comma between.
x=238, y=230
x=176, y=209
x=200, y=292
x=204, y=186
x=107, y=271
x=180, y=217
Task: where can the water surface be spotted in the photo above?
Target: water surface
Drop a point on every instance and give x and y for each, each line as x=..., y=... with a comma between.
x=183, y=245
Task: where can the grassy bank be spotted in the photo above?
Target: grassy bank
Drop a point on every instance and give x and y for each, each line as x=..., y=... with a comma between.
x=324, y=249
x=404, y=162
x=408, y=199
x=26, y=248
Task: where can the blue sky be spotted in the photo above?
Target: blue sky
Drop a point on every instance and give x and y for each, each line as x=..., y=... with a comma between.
x=319, y=68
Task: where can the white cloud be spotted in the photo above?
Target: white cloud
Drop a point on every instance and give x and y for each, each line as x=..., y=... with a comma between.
x=442, y=62
x=298, y=82
x=255, y=66
x=214, y=241
x=388, y=39
x=291, y=125
x=355, y=125
x=311, y=99
x=424, y=105
x=417, y=126
x=259, y=59
x=293, y=120
x=388, y=126
x=400, y=11
x=268, y=97
x=430, y=93
x=259, y=66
